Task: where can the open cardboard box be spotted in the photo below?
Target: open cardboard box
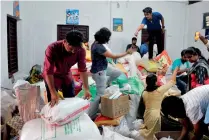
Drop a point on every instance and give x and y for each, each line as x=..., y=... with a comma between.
x=114, y=108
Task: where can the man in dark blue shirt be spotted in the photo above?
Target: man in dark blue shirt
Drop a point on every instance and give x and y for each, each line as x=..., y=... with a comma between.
x=155, y=30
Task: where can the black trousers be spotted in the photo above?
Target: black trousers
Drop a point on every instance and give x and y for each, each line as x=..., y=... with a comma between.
x=155, y=34
x=67, y=90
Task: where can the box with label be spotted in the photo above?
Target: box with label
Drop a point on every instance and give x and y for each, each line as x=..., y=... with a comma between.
x=114, y=108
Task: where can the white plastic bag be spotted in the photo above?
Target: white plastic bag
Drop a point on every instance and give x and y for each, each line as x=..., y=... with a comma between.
x=132, y=59
x=110, y=135
x=83, y=128
x=137, y=123
x=7, y=101
x=126, y=87
x=134, y=104
x=136, y=135
x=8, y=104
x=164, y=138
x=123, y=128
x=112, y=89
x=121, y=60
x=65, y=111
x=20, y=83
x=136, y=56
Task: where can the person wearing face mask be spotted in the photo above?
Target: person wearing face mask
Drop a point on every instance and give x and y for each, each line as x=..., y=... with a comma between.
x=155, y=30
x=60, y=56
x=133, y=45
x=181, y=78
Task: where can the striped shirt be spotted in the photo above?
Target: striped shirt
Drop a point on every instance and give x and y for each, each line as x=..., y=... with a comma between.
x=196, y=102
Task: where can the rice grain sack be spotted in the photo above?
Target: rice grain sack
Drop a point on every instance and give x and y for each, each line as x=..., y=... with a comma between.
x=65, y=111
x=164, y=59
x=150, y=66
x=82, y=128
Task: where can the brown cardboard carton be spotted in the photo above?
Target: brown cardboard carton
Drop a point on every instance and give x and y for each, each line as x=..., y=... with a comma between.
x=114, y=108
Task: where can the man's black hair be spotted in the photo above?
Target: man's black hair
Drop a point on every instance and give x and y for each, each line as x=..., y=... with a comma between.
x=74, y=38
x=183, y=53
x=147, y=10
x=103, y=35
x=173, y=106
x=134, y=38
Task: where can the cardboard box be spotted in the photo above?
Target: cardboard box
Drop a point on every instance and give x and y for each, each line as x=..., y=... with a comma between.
x=114, y=108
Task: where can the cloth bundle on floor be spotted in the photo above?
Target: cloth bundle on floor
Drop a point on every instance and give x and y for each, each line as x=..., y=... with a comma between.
x=64, y=112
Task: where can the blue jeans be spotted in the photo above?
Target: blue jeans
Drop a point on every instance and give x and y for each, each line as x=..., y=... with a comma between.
x=102, y=79
x=181, y=83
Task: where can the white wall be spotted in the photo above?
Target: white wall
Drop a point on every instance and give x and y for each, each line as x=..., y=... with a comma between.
x=195, y=23
x=44, y=17
x=40, y=21
x=39, y=25
x=7, y=8
x=173, y=12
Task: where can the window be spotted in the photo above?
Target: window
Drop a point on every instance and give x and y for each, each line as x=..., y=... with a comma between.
x=62, y=30
x=12, y=45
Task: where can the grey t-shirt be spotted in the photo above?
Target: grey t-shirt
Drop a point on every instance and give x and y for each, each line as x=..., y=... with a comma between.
x=99, y=61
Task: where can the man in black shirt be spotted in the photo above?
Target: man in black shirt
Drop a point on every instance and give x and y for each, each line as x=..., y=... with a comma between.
x=134, y=47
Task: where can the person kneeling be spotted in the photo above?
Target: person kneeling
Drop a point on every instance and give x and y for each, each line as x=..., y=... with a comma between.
x=191, y=107
x=151, y=100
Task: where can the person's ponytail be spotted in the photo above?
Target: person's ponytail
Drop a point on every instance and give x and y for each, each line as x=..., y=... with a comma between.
x=200, y=54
